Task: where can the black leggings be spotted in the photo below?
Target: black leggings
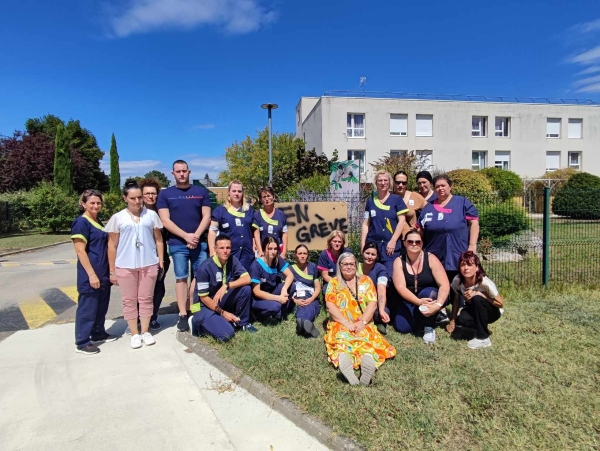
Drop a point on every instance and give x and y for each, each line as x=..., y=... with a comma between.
x=477, y=314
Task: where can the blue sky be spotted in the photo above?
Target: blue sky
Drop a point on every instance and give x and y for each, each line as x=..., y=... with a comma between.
x=186, y=78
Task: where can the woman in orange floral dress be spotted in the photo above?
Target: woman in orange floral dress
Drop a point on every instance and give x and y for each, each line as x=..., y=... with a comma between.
x=352, y=339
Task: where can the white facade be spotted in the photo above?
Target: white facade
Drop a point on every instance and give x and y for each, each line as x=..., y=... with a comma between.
x=527, y=138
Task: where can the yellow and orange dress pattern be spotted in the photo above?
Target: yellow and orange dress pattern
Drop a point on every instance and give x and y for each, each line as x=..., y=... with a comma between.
x=338, y=339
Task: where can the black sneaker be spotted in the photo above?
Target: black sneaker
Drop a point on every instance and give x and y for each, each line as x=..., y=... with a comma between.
x=182, y=324
x=299, y=326
x=89, y=349
x=154, y=325
x=442, y=317
x=106, y=338
x=382, y=329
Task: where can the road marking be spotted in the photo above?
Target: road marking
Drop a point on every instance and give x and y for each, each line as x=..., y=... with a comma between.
x=9, y=264
x=71, y=292
x=36, y=312
x=54, y=263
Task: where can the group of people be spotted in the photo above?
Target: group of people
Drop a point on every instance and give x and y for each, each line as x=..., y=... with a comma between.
x=418, y=256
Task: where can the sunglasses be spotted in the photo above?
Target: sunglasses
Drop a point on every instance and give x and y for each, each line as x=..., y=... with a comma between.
x=400, y=182
x=414, y=242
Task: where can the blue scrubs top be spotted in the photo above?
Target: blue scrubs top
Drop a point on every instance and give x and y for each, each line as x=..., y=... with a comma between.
x=275, y=226
x=446, y=230
x=383, y=218
x=326, y=262
x=305, y=281
x=267, y=277
x=378, y=274
x=96, y=247
x=211, y=275
x=239, y=227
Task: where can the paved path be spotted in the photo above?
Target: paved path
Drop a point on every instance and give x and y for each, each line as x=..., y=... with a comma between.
x=153, y=398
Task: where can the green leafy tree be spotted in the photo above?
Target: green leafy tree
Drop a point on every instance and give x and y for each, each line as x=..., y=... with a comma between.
x=409, y=162
x=579, y=197
x=63, y=166
x=115, y=175
x=506, y=184
x=160, y=176
x=51, y=208
x=307, y=165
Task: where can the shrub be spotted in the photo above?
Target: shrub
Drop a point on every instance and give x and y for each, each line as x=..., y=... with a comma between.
x=317, y=184
x=51, y=209
x=471, y=184
x=558, y=177
x=579, y=197
x=113, y=203
x=14, y=212
x=499, y=220
x=506, y=184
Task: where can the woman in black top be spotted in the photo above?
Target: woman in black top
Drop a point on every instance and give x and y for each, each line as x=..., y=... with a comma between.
x=420, y=279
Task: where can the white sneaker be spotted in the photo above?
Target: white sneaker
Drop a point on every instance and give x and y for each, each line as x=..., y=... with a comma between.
x=136, y=341
x=429, y=335
x=476, y=343
x=501, y=312
x=148, y=339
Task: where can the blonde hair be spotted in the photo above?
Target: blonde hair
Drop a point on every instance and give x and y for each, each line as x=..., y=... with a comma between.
x=335, y=233
x=387, y=174
x=227, y=203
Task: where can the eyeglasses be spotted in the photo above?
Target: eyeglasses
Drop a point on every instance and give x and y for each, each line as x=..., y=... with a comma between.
x=414, y=242
x=347, y=264
x=400, y=182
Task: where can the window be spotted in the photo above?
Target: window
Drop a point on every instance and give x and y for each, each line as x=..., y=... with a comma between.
x=424, y=125
x=425, y=159
x=502, y=160
x=397, y=153
x=502, y=127
x=552, y=161
x=478, y=126
x=575, y=128
x=575, y=160
x=553, y=128
x=398, y=124
x=298, y=116
x=478, y=160
x=356, y=125
x=358, y=155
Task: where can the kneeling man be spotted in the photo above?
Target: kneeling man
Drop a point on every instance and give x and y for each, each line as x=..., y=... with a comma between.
x=222, y=297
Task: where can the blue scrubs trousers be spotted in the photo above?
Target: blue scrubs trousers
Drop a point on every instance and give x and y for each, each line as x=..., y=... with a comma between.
x=90, y=316
x=407, y=317
x=264, y=309
x=309, y=312
x=207, y=321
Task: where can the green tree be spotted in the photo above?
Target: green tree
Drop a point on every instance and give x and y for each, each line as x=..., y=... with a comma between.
x=115, y=175
x=409, y=162
x=160, y=176
x=63, y=166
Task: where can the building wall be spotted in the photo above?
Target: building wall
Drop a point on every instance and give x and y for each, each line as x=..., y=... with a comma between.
x=452, y=143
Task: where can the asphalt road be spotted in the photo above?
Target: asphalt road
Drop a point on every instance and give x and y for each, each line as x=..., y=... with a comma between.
x=39, y=287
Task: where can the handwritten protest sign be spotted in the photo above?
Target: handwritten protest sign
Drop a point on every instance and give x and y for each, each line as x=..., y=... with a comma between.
x=310, y=223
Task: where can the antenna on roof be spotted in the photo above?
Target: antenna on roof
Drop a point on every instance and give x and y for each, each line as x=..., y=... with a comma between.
x=362, y=81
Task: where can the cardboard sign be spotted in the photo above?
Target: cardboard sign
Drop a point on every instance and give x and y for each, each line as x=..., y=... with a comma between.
x=310, y=223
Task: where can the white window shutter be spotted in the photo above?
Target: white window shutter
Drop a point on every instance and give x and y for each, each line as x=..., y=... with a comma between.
x=398, y=124
x=574, y=128
x=424, y=125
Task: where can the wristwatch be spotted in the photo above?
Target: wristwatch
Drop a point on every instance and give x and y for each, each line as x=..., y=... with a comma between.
x=364, y=322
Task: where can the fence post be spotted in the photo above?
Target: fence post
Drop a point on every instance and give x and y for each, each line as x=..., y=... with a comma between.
x=546, y=238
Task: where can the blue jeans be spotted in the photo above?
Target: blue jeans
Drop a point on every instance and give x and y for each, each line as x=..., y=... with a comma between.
x=183, y=256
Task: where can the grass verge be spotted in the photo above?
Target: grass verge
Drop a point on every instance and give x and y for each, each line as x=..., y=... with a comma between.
x=538, y=387
x=17, y=242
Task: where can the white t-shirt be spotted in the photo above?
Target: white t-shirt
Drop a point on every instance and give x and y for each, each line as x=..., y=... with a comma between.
x=486, y=287
x=136, y=248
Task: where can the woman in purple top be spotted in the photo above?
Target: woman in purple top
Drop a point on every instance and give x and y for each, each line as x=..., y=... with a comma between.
x=336, y=246
x=449, y=226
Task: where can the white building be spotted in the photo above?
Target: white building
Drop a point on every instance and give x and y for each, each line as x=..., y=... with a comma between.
x=527, y=138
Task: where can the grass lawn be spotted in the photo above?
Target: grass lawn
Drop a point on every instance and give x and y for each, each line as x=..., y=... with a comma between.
x=537, y=387
x=16, y=242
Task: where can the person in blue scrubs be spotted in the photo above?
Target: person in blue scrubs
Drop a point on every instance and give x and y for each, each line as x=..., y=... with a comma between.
x=449, y=226
x=271, y=302
x=384, y=221
x=379, y=275
x=424, y=182
x=305, y=292
x=93, y=280
x=235, y=219
x=270, y=221
x=336, y=246
x=222, y=297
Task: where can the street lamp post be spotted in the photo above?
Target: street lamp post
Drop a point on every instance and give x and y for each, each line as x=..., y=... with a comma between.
x=269, y=107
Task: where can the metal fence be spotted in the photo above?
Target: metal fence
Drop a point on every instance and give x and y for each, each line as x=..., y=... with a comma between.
x=518, y=245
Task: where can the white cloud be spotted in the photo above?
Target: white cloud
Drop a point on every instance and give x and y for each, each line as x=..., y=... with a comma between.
x=234, y=16
x=590, y=88
x=587, y=81
x=588, y=27
x=588, y=57
x=132, y=168
x=203, y=127
x=589, y=70
x=211, y=165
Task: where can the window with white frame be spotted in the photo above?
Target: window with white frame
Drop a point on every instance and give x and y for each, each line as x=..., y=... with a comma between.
x=398, y=124
x=502, y=127
x=502, y=159
x=356, y=125
x=425, y=159
x=478, y=159
x=553, y=127
x=575, y=160
x=478, y=126
x=424, y=125
x=574, y=131
x=552, y=160
x=397, y=153
x=358, y=155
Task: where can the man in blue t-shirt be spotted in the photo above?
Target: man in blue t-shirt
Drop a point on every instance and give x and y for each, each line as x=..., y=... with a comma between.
x=185, y=212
